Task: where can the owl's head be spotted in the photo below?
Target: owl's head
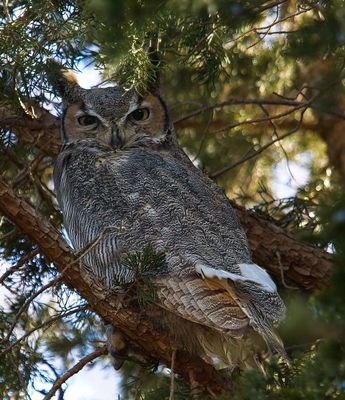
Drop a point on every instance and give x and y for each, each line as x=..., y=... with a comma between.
x=118, y=117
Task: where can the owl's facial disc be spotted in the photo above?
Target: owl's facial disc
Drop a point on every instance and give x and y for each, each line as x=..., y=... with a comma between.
x=115, y=117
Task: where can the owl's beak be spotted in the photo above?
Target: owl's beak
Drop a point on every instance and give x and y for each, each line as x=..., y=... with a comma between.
x=115, y=137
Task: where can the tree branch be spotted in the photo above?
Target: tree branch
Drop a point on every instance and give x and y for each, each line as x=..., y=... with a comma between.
x=18, y=265
x=44, y=324
x=303, y=264
x=237, y=102
x=27, y=303
x=266, y=102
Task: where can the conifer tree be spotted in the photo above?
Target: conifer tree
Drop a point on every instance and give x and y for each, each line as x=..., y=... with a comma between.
x=253, y=86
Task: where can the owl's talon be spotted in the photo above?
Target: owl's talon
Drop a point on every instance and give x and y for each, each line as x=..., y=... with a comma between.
x=118, y=359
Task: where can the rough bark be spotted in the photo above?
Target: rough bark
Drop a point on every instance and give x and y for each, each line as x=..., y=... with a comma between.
x=136, y=329
x=288, y=259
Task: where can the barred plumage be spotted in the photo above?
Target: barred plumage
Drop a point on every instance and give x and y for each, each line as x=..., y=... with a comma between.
x=127, y=179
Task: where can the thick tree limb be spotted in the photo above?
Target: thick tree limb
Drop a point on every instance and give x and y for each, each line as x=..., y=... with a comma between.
x=302, y=264
x=136, y=329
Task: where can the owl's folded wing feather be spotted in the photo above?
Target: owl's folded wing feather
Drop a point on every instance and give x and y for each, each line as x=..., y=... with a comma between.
x=235, y=305
x=191, y=298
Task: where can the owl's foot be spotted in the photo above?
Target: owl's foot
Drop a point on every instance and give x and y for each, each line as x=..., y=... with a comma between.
x=116, y=346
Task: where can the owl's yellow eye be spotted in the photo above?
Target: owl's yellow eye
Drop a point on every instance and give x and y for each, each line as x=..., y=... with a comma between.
x=86, y=120
x=140, y=114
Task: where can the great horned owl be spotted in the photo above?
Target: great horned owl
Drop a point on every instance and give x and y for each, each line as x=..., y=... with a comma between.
x=121, y=170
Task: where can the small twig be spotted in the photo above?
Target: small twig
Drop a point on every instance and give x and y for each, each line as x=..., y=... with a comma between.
x=80, y=254
x=9, y=289
x=268, y=102
x=172, y=375
x=277, y=253
x=270, y=5
x=260, y=150
x=28, y=170
x=61, y=395
x=26, y=304
x=267, y=31
x=262, y=28
x=236, y=102
x=203, y=138
x=42, y=325
x=75, y=369
x=268, y=118
x=275, y=133
x=9, y=234
x=19, y=264
x=23, y=384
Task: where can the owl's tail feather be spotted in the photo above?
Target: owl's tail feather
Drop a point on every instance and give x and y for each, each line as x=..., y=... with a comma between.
x=266, y=330
x=225, y=351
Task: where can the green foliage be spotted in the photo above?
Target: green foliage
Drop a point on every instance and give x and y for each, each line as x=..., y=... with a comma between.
x=146, y=266
x=32, y=32
x=331, y=302
x=316, y=374
x=140, y=383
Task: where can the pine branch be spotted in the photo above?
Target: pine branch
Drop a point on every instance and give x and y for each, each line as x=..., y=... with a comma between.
x=18, y=265
x=44, y=324
x=27, y=303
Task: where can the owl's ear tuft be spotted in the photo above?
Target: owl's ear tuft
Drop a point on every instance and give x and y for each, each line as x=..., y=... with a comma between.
x=64, y=82
x=69, y=76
